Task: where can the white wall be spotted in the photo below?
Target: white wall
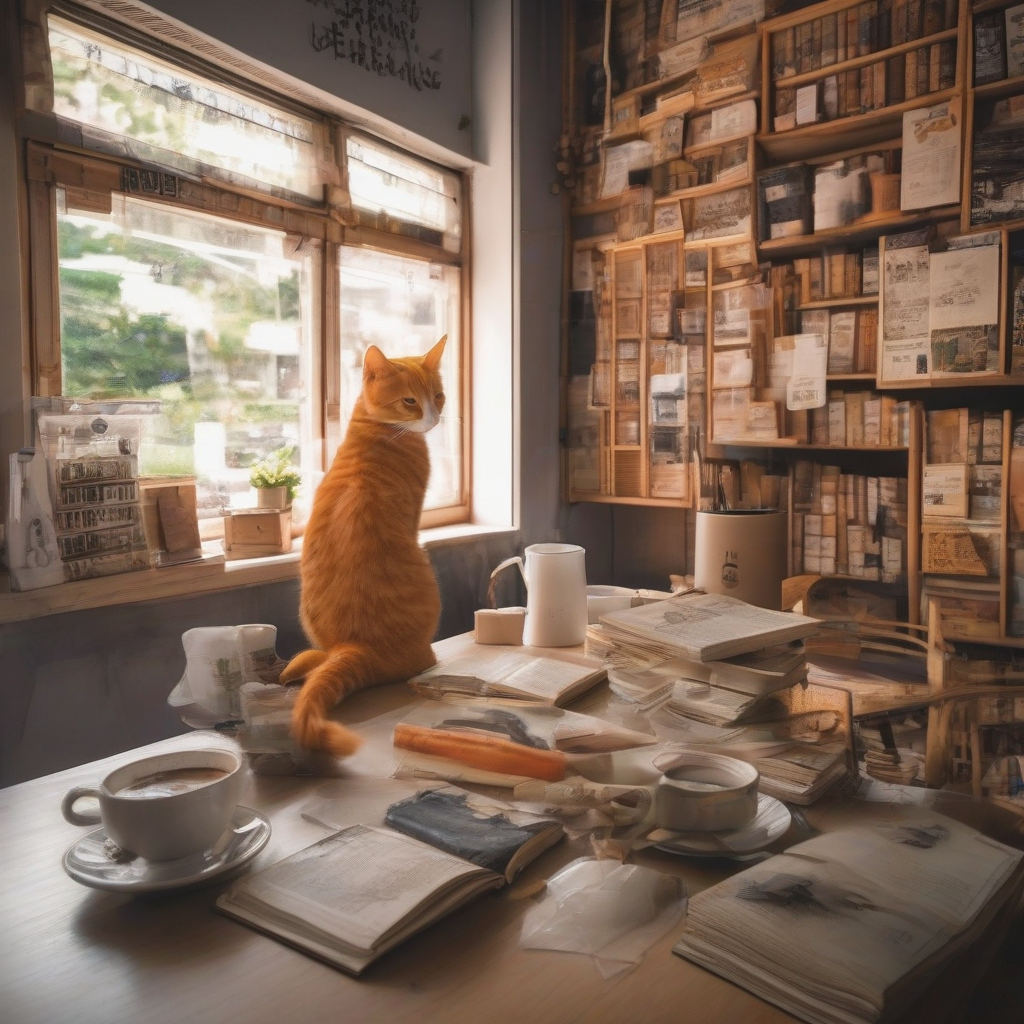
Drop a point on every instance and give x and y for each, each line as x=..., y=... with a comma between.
x=280, y=32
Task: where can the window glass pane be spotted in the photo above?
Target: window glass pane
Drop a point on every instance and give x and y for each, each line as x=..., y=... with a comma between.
x=132, y=104
x=404, y=306
x=211, y=317
x=411, y=197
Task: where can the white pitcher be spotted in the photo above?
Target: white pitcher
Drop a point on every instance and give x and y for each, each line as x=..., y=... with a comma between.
x=556, y=594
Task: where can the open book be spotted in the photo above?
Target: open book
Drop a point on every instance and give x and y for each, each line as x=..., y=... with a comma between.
x=540, y=675
x=854, y=925
x=706, y=627
x=360, y=892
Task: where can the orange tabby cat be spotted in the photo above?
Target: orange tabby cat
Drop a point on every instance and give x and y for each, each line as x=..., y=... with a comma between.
x=370, y=603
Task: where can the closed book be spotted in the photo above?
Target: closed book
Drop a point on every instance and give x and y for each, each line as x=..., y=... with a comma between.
x=989, y=47
x=923, y=69
x=855, y=418
x=867, y=340
x=934, y=64
x=867, y=89
x=852, y=32
x=895, y=72
x=828, y=40
x=1014, y=41
x=841, y=53
x=898, y=22
x=869, y=271
x=947, y=65
x=873, y=421
x=878, y=85
x=932, y=13
x=914, y=17
x=950, y=13
x=816, y=28
x=804, y=37
x=910, y=75
x=837, y=421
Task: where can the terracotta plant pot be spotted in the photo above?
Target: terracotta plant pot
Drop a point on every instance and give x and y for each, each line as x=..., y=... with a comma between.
x=272, y=497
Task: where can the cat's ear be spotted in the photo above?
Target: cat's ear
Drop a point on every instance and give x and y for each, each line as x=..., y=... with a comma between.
x=375, y=363
x=432, y=360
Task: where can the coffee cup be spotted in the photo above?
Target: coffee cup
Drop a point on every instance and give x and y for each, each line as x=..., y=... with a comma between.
x=166, y=806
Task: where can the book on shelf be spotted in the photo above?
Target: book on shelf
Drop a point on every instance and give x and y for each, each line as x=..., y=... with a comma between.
x=989, y=47
x=353, y=896
x=707, y=627
x=997, y=175
x=964, y=435
x=810, y=930
x=784, y=202
x=1014, y=41
x=540, y=675
x=848, y=524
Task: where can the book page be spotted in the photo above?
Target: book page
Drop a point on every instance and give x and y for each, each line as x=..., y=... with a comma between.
x=356, y=886
x=939, y=864
x=700, y=622
x=964, y=288
x=522, y=671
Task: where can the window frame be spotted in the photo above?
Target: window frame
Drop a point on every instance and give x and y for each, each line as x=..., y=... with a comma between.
x=90, y=178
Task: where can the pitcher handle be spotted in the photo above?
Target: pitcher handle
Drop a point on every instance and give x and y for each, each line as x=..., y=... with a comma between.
x=515, y=560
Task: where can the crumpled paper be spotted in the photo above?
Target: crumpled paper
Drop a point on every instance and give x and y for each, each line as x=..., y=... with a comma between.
x=609, y=911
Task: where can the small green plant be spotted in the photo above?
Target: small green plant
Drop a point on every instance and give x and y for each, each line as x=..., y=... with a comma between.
x=276, y=470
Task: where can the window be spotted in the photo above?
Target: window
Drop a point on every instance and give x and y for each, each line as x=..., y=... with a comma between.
x=185, y=253
x=210, y=317
x=404, y=306
x=423, y=200
x=132, y=104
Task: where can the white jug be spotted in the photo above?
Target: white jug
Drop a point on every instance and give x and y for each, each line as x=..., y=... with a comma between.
x=556, y=594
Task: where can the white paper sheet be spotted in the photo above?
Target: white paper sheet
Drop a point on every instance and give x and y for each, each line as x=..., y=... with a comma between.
x=931, y=157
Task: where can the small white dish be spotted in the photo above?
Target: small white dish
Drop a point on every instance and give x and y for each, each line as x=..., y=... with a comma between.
x=94, y=861
x=770, y=823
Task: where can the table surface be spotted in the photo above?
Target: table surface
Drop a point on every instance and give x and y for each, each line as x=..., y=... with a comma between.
x=69, y=953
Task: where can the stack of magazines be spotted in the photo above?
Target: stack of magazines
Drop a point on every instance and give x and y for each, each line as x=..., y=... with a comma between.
x=725, y=673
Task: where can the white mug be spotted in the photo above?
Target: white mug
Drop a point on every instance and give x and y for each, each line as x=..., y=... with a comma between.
x=164, y=827
x=556, y=594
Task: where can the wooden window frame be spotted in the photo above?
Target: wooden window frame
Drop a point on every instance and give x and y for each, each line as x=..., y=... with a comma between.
x=90, y=178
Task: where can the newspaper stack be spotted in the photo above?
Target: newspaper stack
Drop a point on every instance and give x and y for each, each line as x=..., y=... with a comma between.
x=724, y=673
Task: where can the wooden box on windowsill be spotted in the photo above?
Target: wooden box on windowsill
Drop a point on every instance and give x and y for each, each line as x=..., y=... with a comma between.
x=257, y=533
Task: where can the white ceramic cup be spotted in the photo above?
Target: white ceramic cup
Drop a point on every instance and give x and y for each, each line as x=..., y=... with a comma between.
x=164, y=827
x=602, y=600
x=704, y=792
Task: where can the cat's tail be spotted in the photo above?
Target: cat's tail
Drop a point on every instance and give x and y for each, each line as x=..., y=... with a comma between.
x=330, y=676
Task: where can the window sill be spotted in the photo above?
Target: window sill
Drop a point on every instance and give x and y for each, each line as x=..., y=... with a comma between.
x=187, y=580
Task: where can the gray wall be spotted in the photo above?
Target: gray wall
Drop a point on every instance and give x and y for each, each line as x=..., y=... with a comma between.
x=537, y=100
x=88, y=684
x=278, y=33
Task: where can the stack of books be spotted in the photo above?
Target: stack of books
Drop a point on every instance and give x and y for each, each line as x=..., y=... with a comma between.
x=728, y=673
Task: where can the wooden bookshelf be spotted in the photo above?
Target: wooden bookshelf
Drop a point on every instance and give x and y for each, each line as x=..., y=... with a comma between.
x=864, y=128
x=849, y=300
x=973, y=95
x=855, y=234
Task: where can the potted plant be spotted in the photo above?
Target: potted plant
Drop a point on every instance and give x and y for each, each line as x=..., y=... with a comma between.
x=276, y=480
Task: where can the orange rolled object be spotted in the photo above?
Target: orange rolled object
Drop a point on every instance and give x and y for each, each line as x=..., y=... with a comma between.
x=489, y=753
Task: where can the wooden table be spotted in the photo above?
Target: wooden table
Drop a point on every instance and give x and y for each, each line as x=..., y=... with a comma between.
x=72, y=954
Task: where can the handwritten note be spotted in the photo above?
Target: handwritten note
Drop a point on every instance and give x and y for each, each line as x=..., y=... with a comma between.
x=380, y=36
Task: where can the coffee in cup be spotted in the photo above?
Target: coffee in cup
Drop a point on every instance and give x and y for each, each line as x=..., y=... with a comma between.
x=166, y=806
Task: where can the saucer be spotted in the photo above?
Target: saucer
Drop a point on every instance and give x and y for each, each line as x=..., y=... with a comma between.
x=770, y=823
x=93, y=862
